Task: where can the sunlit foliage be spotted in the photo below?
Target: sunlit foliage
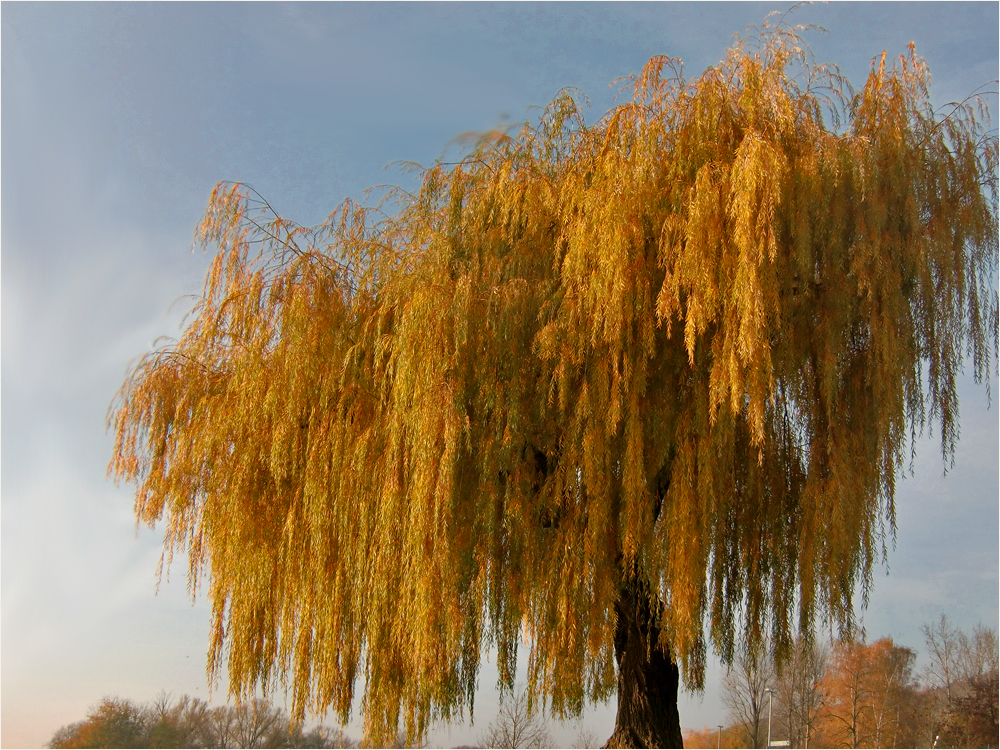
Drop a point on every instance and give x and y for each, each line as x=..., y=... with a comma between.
x=868, y=696
x=691, y=342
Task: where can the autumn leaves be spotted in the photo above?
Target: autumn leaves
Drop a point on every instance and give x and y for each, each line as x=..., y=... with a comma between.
x=347, y=435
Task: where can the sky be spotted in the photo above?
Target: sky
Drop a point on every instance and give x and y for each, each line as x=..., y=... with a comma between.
x=117, y=120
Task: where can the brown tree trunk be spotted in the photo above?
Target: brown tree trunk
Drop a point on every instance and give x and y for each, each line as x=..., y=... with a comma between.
x=647, y=678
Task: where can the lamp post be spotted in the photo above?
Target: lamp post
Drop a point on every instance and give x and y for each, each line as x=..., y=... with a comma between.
x=720, y=734
x=770, y=694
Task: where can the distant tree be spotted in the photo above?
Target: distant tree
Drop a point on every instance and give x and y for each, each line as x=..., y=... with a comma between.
x=744, y=694
x=401, y=741
x=114, y=722
x=973, y=720
x=319, y=737
x=942, y=642
x=892, y=683
x=916, y=726
x=958, y=662
x=66, y=736
x=707, y=737
x=799, y=698
x=700, y=738
x=184, y=723
x=516, y=725
x=191, y=723
x=866, y=694
x=846, y=694
x=978, y=653
x=253, y=724
x=258, y=724
x=943, y=645
x=585, y=738
x=600, y=384
x=733, y=736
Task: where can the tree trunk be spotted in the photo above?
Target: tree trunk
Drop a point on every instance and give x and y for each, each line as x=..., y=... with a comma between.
x=647, y=678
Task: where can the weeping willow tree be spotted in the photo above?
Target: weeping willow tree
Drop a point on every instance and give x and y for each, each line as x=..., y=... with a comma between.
x=625, y=391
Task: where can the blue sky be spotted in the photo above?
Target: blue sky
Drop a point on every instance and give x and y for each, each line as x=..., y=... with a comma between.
x=117, y=120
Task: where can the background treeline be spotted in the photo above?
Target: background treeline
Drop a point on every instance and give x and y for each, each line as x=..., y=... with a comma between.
x=190, y=722
x=856, y=694
x=849, y=694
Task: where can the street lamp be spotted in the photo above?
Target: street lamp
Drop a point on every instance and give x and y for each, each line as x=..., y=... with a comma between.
x=720, y=734
x=770, y=693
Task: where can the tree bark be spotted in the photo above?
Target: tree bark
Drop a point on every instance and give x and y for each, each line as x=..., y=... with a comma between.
x=647, y=677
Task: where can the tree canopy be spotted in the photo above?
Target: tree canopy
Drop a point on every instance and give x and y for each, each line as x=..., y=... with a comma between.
x=689, y=346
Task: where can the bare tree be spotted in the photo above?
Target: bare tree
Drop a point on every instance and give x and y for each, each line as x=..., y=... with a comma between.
x=943, y=647
x=978, y=654
x=252, y=724
x=892, y=683
x=799, y=697
x=960, y=665
x=255, y=724
x=320, y=736
x=957, y=661
x=516, y=726
x=190, y=722
x=585, y=738
x=744, y=693
x=400, y=741
x=184, y=723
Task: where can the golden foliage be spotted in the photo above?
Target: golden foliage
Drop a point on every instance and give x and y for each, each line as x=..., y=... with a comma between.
x=707, y=737
x=690, y=340
x=868, y=696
